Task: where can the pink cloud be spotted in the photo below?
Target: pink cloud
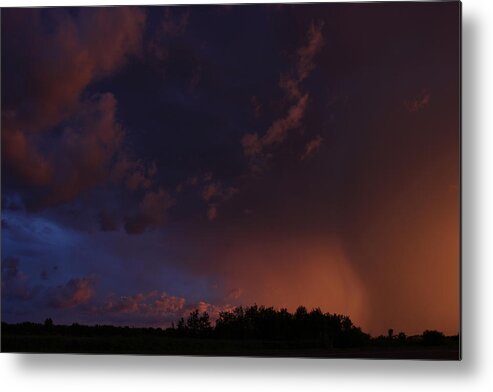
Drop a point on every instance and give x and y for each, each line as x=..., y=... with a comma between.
x=151, y=304
x=76, y=292
x=153, y=308
x=212, y=309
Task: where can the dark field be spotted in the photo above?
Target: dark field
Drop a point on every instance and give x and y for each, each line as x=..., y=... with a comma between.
x=155, y=342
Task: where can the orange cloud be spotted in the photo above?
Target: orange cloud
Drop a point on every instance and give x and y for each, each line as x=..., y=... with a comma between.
x=59, y=64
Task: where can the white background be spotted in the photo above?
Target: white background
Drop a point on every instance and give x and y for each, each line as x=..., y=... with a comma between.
x=473, y=373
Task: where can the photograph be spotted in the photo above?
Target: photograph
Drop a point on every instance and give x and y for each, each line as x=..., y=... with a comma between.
x=240, y=180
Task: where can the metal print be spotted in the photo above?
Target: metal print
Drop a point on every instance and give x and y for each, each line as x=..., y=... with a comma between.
x=252, y=180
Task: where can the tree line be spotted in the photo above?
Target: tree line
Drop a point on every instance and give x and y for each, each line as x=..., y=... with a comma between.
x=303, y=328
x=266, y=323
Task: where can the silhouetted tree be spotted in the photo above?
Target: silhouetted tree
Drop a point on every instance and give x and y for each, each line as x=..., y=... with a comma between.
x=205, y=327
x=181, y=328
x=314, y=329
x=193, y=322
x=433, y=338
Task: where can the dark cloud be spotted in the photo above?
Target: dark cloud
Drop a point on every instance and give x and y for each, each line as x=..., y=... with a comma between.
x=91, y=143
x=257, y=107
x=107, y=221
x=151, y=212
x=60, y=61
x=15, y=283
x=133, y=173
x=175, y=22
x=58, y=64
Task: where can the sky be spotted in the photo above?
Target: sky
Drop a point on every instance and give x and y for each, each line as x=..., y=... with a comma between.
x=161, y=159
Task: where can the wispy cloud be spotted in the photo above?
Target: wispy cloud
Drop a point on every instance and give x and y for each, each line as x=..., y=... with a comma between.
x=254, y=145
x=311, y=147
